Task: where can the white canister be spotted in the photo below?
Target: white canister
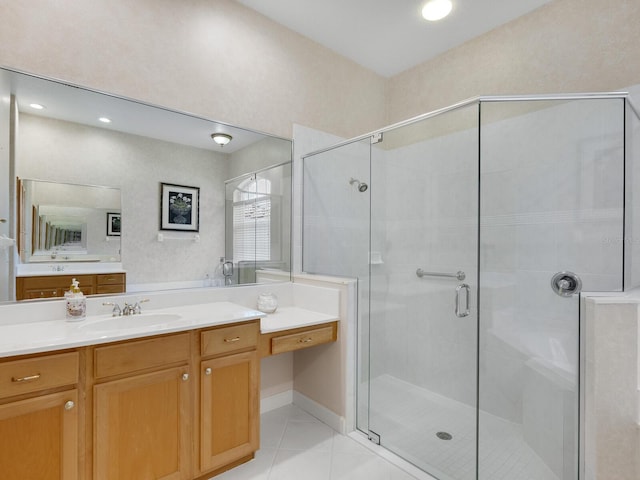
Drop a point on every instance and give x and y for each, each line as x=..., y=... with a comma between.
x=267, y=302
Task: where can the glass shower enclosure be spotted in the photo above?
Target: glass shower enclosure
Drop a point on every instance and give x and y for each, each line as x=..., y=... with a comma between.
x=472, y=232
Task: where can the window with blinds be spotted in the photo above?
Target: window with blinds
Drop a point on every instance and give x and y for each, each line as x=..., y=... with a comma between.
x=252, y=220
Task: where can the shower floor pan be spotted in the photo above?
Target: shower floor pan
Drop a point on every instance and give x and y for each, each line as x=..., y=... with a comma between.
x=409, y=419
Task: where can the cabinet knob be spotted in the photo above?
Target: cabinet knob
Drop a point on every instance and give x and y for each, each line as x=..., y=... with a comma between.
x=207, y=371
x=69, y=405
x=185, y=377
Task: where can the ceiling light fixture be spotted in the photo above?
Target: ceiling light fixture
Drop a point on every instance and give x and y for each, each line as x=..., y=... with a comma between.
x=105, y=120
x=221, y=138
x=436, y=9
x=37, y=106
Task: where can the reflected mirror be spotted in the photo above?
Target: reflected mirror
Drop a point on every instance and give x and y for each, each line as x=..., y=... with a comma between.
x=61, y=222
x=91, y=202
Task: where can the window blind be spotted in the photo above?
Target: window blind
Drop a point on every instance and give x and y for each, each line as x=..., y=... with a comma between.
x=252, y=222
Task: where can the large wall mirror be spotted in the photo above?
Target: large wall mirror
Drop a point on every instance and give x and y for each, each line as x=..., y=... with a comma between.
x=101, y=184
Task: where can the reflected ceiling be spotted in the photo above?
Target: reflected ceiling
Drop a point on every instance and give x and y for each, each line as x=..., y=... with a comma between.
x=82, y=106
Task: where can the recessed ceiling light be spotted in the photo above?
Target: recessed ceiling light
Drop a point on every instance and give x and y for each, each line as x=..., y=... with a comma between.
x=105, y=120
x=36, y=106
x=221, y=138
x=436, y=9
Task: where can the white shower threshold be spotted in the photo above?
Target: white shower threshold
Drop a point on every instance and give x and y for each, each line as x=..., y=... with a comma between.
x=391, y=457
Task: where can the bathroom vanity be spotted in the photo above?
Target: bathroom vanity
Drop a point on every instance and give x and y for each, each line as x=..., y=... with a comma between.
x=175, y=396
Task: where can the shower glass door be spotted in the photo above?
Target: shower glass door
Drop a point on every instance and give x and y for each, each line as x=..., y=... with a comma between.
x=551, y=198
x=423, y=291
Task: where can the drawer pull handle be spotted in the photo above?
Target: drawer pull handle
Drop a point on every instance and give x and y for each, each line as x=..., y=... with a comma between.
x=25, y=379
x=185, y=377
x=207, y=371
x=305, y=340
x=232, y=340
x=69, y=405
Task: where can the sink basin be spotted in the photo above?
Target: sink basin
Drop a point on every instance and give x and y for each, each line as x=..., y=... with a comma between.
x=128, y=322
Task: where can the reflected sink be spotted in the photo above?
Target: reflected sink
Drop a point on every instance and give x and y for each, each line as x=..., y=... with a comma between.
x=128, y=322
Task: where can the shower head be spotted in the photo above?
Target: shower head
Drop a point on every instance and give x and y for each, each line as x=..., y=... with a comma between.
x=362, y=187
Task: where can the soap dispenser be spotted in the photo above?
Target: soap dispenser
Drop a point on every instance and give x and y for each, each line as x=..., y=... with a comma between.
x=76, y=303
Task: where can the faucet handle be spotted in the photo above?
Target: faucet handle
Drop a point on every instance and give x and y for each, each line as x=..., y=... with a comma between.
x=137, y=308
x=116, y=312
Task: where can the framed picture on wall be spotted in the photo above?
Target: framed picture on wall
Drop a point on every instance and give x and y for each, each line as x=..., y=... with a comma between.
x=179, y=208
x=113, y=224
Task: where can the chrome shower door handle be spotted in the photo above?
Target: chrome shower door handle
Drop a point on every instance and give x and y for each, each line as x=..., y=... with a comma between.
x=460, y=313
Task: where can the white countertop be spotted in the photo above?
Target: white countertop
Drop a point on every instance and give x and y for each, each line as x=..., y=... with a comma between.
x=51, y=335
x=293, y=317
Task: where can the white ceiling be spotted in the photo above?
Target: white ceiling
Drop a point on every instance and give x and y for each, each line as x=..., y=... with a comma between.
x=390, y=36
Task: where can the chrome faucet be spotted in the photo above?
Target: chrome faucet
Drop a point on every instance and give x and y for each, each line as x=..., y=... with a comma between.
x=128, y=309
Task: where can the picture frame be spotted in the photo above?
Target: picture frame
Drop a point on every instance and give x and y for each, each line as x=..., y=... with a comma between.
x=113, y=224
x=179, y=208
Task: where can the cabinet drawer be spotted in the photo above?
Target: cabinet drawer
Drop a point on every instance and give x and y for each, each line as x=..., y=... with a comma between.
x=45, y=293
x=110, y=288
x=229, y=339
x=296, y=341
x=140, y=355
x=40, y=373
x=110, y=279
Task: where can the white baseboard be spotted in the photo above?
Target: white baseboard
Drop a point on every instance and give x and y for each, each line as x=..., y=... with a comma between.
x=276, y=401
x=321, y=412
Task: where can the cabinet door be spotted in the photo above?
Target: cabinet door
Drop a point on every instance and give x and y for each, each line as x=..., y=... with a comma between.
x=39, y=438
x=229, y=427
x=142, y=427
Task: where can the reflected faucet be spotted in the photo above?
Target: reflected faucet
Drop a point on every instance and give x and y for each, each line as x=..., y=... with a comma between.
x=227, y=271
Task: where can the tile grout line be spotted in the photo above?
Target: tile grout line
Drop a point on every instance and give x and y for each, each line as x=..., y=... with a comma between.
x=273, y=461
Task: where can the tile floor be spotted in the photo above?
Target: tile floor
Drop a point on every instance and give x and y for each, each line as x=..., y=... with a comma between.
x=296, y=446
x=409, y=417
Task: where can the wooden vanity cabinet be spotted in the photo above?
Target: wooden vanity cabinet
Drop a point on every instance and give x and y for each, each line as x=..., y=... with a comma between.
x=170, y=407
x=229, y=396
x=39, y=417
x=143, y=409
x=155, y=419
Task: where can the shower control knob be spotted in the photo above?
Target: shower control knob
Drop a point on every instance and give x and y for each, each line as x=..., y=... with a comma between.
x=566, y=284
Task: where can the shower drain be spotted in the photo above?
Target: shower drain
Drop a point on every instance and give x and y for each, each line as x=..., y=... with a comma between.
x=444, y=435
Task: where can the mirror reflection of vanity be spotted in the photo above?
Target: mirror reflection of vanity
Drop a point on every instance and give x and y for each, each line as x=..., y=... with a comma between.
x=91, y=203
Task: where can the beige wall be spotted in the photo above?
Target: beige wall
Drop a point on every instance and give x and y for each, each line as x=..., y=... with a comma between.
x=566, y=46
x=612, y=394
x=211, y=57
x=219, y=59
